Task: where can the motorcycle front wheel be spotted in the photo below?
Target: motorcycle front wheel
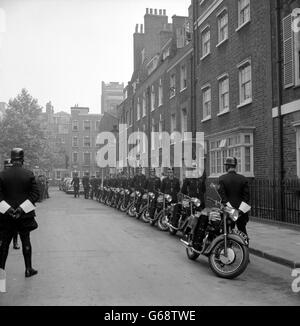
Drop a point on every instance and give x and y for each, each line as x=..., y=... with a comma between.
x=234, y=264
x=162, y=221
x=145, y=215
x=132, y=211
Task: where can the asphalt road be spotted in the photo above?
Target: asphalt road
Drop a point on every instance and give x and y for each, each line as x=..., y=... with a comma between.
x=89, y=254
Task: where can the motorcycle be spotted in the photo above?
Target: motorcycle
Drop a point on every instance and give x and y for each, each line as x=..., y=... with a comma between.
x=126, y=201
x=147, y=201
x=134, y=198
x=189, y=206
x=163, y=212
x=227, y=249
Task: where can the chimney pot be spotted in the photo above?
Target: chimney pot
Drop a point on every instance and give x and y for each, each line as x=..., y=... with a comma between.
x=151, y=11
x=147, y=11
x=155, y=11
x=136, y=28
x=160, y=12
x=142, y=28
x=164, y=12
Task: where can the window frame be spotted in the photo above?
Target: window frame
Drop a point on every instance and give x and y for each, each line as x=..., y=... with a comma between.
x=221, y=79
x=204, y=89
x=220, y=15
x=242, y=24
x=205, y=30
x=242, y=65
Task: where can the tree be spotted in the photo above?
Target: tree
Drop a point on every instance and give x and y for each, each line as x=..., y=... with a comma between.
x=22, y=126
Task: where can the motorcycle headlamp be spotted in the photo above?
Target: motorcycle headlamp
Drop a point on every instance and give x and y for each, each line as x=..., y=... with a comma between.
x=197, y=202
x=151, y=195
x=132, y=195
x=127, y=192
x=145, y=196
x=138, y=194
x=160, y=199
x=168, y=198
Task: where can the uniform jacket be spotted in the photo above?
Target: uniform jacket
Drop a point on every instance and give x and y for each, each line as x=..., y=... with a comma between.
x=17, y=185
x=75, y=182
x=194, y=188
x=139, y=182
x=234, y=189
x=153, y=184
x=86, y=182
x=170, y=187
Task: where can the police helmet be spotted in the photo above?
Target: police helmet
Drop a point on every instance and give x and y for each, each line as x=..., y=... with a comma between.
x=231, y=162
x=17, y=154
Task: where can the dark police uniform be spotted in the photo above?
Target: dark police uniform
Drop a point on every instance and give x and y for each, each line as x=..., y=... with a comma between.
x=139, y=183
x=18, y=191
x=153, y=184
x=76, y=184
x=171, y=187
x=234, y=189
x=86, y=186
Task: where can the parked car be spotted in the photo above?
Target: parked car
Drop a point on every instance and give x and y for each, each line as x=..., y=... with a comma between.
x=70, y=187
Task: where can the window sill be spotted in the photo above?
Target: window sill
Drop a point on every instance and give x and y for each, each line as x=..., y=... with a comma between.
x=205, y=56
x=171, y=97
x=244, y=104
x=223, y=113
x=222, y=42
x=206, y=119
x=243, y=25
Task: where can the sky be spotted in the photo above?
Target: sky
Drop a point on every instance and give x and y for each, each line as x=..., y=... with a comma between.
x=61, y=50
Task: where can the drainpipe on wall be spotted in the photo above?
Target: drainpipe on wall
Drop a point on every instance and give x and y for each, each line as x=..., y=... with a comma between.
x=193, y=77
x=279, y=104
x=149, y=129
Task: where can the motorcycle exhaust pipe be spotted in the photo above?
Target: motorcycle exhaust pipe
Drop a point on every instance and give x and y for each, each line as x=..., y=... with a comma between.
x=185, y=243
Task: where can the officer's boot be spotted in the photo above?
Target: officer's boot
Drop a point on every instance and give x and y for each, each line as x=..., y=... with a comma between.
x=27, y=252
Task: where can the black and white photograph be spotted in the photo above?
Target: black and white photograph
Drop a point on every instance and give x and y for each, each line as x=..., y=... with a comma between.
x=150, y=155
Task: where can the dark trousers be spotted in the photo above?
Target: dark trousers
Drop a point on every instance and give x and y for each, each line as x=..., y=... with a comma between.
x=176, y=215
x=86, y=193
x=242, y=223
x=76, y=192
x=5, y=240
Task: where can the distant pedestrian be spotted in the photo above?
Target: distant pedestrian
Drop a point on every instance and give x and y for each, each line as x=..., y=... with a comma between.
x=86, y=185
x=76, y=184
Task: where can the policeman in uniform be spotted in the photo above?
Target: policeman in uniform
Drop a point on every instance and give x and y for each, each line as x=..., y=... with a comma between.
x=93, y=186
x=194, y=187
x=18, y=194
x=86, y=185
x=171, y=185
x=234, y=190
x=7, y=165
x=138, y=183
x=153, y=185
x=76, y=184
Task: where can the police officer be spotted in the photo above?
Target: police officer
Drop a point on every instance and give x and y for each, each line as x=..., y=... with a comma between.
x=153, y=185
x=86, y=185
x=7, y=165
x=18, y=194
x=194, y=187
x=94, y=187
x=76, y=184
x=139, y=184
x=171, y=185
x=234, y=190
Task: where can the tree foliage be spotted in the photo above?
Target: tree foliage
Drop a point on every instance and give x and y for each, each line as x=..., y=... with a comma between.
x=22, y=126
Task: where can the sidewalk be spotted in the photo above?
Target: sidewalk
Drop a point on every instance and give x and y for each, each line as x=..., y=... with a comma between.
x=275, y=243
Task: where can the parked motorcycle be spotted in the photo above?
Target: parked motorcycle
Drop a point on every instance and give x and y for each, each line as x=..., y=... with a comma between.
x=226, y=248
x=132, y=210
x=126, y=200
x=189, y=206
x=163, y=212
x=147, y=201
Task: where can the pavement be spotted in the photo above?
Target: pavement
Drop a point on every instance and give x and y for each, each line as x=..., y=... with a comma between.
x=275, y=243
x=90, y=254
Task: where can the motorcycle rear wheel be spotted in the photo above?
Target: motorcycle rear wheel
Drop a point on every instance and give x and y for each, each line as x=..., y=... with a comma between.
x=219, y=268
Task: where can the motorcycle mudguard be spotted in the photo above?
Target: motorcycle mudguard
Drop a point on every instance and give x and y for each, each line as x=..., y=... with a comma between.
x=231, y=236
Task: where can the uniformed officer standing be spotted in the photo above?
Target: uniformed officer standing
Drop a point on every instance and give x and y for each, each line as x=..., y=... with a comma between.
x=93, y=184
x=170, y=185
x=76, y=184
x=194, y=187
x=139, y=184
x=18, y=194
x=153, y=185
x=7, y=165
x=86, y=185
x=234, y=190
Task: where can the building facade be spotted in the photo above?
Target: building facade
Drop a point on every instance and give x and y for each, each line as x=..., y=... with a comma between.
x=234, y=84
x=83, y=129
x=112, y=95
x=286, y=86
x=158, y=98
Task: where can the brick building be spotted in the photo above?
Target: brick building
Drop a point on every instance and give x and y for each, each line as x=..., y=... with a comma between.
x=83, y=129
x=234, y=89
x=286, y=82
x=157, y=98
x=112, y=95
